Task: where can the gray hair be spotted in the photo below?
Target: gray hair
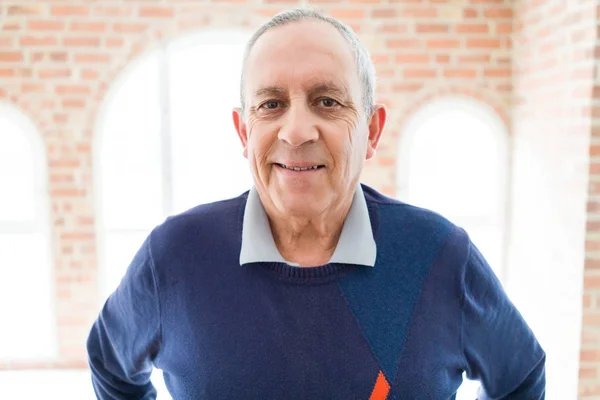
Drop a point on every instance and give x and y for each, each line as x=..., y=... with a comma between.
x=364, y=65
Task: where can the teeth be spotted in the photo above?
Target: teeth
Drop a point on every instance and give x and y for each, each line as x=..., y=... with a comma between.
x=298, y=168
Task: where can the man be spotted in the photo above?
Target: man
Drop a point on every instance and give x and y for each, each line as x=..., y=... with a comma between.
x=311, y=285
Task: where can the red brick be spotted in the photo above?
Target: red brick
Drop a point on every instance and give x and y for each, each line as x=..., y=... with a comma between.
x=503, y=28
x=38, y=41
x=88, y=26
x=11, y=26
x=54, y=73
x=412, y=58
x=60, y=119
x=46, y=25
x=591, y=320
x=460, y=73
x=590, y=355
x=470, y=13
x=112, y=42
x=384, y=13
x=379, y=58
x=588, y=373
x=591, y=281
x=82, y=41
x=587, y=301
x=500, y=13
x=7, y=73
x=431, y=28
x=113, y=11
x=7, y=41
x=72, y=89
x=59, y=56
x=129, y=27
x=487, y=43
x=474, y=58
x=156, y=12
x=67, y=11
x=420, y=12
x=27, y=9
x=407, y=87
x=89, y=74
x=443, y=43
x=403, y=43
x=497, y=72
x=33, y=88
x=442, y=59
x=472, y=28
x=11, y=56
x=92, y=58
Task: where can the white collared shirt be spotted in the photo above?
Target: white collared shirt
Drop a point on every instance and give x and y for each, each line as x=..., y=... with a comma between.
x=356, y=244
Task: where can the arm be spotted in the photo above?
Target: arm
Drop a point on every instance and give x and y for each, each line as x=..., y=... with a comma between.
x=500, y=349
x=125, y=338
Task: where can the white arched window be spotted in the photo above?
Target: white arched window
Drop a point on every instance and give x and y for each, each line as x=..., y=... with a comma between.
x=27, y=312
x=453, y=160
x=167, y=143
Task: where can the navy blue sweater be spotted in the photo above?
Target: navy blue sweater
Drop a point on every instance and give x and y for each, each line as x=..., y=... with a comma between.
x=406, y=328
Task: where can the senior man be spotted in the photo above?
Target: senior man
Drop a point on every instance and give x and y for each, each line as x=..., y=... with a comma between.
x=311, y=285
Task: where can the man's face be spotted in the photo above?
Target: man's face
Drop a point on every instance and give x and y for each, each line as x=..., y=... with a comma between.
x=305, y=132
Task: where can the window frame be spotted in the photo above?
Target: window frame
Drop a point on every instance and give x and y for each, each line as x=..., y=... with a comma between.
x=39, y=225
x=164, y=48
x=490, y=117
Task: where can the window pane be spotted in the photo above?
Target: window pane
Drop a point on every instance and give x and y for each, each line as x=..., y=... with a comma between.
x=130, y=160
x=454, y=165
x=120, y=248
x=17, y=173
x=204, y=87
x=25, y=279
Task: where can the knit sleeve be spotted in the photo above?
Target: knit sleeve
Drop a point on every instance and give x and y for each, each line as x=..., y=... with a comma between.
x=499, y=348
x=125, y=337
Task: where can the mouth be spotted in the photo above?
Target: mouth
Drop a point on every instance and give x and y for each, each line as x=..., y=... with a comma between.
x=300, y=168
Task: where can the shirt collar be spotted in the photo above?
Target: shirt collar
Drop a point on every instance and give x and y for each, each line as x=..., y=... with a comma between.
x=356, y=244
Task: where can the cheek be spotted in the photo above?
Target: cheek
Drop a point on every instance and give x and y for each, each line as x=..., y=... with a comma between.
x=259, y=144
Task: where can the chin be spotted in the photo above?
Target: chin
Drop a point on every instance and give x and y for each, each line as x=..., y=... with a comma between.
x=301, y=205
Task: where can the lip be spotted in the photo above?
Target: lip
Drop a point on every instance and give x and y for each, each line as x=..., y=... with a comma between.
x=298, y=164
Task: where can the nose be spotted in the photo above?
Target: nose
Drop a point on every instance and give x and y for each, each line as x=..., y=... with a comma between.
x=298, y=126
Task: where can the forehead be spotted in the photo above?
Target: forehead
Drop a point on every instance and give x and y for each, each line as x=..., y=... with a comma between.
x=301, y=54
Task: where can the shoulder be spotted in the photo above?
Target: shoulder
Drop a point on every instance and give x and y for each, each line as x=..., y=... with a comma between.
x=400, y=218
x=209, y=220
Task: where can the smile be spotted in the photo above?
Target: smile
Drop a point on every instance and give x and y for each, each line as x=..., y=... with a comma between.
x=300, y=168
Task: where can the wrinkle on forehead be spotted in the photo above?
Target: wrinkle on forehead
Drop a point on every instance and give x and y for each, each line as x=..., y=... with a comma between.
x=301, y=54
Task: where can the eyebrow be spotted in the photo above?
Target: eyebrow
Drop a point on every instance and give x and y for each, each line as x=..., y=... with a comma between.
x=323, y=87
x=269, y=90
x=329, y=87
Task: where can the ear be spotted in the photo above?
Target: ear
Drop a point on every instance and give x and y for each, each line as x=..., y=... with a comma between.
x=240, y=127
x=376, y=125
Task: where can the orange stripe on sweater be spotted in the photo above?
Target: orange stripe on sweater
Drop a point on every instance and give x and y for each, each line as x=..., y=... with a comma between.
x=381, y=389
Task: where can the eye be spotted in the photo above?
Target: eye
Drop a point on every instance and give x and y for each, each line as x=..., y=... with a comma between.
x=270, y=105
x=328, y=103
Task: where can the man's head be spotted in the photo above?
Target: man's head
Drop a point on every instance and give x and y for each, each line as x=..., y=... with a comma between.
x=307, y=102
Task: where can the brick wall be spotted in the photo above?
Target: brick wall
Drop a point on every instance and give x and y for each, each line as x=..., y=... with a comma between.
x=57, y=60
x=589, y=373
x=553, y=71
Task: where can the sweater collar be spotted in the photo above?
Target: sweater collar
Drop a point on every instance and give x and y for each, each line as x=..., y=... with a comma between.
x=356, y=244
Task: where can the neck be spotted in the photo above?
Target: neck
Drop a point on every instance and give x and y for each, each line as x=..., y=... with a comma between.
x=309, y=240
